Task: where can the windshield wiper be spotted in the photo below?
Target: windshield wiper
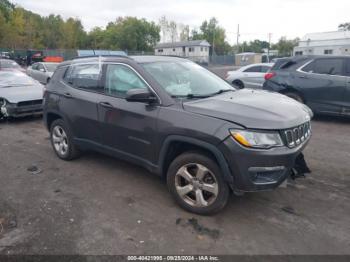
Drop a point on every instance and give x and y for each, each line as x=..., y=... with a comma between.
x=221, y=91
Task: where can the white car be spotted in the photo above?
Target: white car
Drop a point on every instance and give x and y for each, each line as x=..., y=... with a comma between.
x=42, y=71
x=250, y=76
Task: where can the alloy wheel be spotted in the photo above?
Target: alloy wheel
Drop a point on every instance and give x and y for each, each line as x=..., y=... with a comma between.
x=196, y=185
x=60, y=140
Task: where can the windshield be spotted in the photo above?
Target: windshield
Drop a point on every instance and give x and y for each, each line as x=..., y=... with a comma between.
x=51, y=67
x=185, y=78
x=8, y=64
x=10, y=79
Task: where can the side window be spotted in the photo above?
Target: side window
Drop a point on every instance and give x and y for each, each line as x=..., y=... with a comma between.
x=84, y=76
x=347, y=72
x=332, y=66
x=264, y=69
x=253, y=69
x=309, y=68
x=40, y=67
x=35, y=66
x=120, y=79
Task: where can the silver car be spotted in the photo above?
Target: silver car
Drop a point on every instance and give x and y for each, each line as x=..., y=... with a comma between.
x=250, y=76
x=42, y=71
x=20, y=95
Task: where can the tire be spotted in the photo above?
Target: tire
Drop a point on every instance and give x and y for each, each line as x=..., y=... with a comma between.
x=295, y=96
x=62, y=141
x=238, y=83
x=202, y=174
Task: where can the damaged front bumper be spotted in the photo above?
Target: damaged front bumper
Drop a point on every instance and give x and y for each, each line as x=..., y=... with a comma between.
x=21, y=109
x=258, y=170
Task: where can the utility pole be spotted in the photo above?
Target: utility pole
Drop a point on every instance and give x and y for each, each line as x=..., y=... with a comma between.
x=238, y=38
x=268, y=49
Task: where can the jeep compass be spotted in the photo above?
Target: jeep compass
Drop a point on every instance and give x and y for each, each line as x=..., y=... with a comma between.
x=178, y=120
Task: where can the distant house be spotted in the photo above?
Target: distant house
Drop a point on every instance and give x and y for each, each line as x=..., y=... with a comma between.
x=196, y=50
x=326, y=43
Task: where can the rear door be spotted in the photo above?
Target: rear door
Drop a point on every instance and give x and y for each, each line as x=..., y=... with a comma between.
x=323, y=84
x=253, y=77
x=82, y=90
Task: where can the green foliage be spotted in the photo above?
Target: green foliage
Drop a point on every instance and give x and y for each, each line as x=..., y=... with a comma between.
x=22, y=29
x=344, y=26
x=285, y=47
x=214, y=34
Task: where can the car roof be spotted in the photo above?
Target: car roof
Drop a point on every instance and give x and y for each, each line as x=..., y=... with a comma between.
x=137, y=59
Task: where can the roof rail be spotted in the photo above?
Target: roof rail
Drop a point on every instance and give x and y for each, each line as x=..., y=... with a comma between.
x=97, y=56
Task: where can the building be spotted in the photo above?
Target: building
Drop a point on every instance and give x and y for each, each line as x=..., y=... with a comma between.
x=327, y=43
x=247, y=58
x=196, y=50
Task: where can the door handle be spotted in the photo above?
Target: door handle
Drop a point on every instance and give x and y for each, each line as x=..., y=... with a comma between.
x=106, y=104
x=67, y=95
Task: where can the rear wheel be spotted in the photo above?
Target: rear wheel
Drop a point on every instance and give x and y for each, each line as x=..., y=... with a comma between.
x=62, y=141
x=295, y=96
x=238, y=83
x=197, y=184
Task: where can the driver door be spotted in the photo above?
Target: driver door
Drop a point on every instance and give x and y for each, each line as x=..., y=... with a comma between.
x=128, y=128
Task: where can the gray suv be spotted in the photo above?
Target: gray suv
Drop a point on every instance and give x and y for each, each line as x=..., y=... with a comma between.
x=177, y=120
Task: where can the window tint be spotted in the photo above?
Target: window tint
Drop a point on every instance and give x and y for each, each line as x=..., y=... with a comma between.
x=120, y=79
x=84, y=76
x=328, y=66
x=347, y=67
x=264, y=69
x=309, y=68
x=253, y=69
x=40, y=67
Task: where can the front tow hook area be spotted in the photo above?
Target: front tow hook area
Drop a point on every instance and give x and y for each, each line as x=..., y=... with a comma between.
x=300, y=168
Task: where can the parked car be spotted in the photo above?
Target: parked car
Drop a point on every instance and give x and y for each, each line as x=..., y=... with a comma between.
x=250, y=76
x=20, y=95
x=42, y=71
x=10, y=65
x=178, y=120
x=321, y=82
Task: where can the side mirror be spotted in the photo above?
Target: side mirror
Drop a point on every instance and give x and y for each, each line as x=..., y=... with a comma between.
x=42, y=70
x=140, y=95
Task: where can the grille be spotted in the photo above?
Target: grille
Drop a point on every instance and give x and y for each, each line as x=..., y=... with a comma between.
x=297, y=135
x=30, y=103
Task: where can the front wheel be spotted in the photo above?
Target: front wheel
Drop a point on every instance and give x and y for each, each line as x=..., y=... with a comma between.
x=197, y=184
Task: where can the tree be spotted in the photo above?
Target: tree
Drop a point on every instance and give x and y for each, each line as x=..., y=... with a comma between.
x=285, y=47
x=214, y=34
x=344, y=27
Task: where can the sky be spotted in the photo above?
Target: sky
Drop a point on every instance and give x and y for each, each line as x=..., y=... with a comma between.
x=257, y=19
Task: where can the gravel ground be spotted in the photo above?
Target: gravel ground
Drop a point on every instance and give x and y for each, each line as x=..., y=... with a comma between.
x=99, y=205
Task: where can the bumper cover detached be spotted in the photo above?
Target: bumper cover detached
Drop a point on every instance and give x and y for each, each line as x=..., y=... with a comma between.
x=17, y=110
x=258, y=170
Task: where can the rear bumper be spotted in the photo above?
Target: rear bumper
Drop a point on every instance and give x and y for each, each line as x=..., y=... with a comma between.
x=257, y=170
x=13, y=110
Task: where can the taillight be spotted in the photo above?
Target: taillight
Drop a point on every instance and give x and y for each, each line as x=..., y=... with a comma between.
x=269, y=75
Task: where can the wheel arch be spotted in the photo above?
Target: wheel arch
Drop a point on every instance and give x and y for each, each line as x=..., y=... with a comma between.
x=295, y=91
x=175, y=145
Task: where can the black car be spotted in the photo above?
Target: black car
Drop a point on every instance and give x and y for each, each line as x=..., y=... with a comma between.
x=178, y=120
x=321, y=82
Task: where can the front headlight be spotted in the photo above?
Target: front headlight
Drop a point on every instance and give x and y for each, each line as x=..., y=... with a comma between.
x=257, y=139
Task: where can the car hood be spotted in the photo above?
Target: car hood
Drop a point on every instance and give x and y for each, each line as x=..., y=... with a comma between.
x=22, y=93
x=254, y=109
